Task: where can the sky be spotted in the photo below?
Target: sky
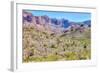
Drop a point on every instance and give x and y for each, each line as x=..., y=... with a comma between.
x=71, y=16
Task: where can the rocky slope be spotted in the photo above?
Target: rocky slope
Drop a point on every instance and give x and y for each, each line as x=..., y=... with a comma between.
x=45, y=39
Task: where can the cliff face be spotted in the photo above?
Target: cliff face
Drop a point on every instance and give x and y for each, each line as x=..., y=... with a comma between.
x=28, y=18
x=53, y=24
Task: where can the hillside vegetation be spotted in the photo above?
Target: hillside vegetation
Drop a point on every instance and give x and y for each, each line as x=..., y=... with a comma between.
x=44, y=45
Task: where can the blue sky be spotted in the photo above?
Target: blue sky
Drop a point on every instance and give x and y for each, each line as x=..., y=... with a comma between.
x=71, y=16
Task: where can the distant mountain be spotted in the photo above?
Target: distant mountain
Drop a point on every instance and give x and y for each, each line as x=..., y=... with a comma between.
x=65, y=23
x=88, y=22
x=54, y=24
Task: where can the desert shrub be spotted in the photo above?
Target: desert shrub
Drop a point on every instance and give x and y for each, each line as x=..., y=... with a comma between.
x=65, y=43
x=40, y=59
x=53, y=46
x=37, y=59
x=71, y=56
x=85, y=54
x=52, y=58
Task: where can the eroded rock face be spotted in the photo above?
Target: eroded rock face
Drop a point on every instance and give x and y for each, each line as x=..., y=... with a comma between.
x=43, y=20
x=52, y=24
x=27, y=17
